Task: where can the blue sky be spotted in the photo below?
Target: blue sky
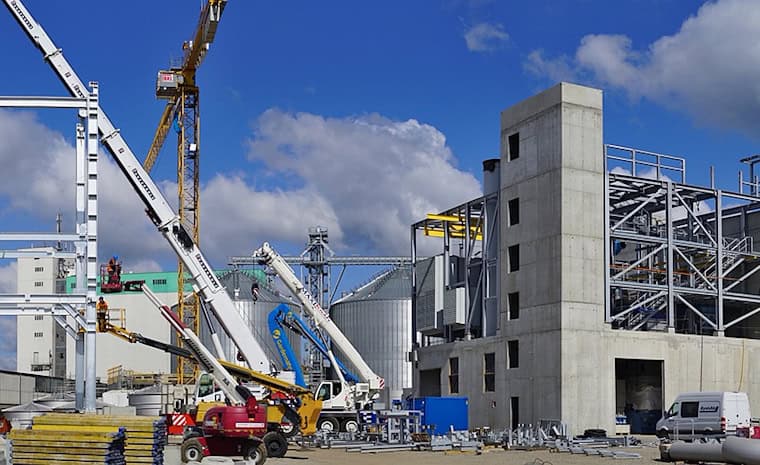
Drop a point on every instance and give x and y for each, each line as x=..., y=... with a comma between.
x=364, y=116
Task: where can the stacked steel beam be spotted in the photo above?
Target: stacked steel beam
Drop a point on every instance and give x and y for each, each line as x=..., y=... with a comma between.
x=146, y=437
x=33, y=447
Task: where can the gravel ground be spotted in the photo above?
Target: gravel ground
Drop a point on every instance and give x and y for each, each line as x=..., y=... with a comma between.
x=298, y=456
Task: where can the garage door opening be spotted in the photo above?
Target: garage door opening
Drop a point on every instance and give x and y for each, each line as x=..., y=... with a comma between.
x=638, y=394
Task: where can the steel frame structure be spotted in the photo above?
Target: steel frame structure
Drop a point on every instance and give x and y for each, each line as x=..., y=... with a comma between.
x=80, y=306
x=671, y=264
x=471, y=226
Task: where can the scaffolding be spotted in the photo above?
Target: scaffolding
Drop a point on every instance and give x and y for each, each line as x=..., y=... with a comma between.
x=680, y=258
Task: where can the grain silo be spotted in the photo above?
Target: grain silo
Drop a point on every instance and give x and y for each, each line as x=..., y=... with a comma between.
x=238, y=284
x=376, y=318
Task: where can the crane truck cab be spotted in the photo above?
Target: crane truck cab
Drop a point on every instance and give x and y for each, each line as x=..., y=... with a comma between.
x=705, y=413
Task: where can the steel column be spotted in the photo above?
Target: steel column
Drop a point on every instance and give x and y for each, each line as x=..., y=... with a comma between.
x=92, y=247
x=719, y=261
x=669, y=220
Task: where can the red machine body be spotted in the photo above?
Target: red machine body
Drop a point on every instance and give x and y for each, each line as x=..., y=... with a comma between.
x=236, y=430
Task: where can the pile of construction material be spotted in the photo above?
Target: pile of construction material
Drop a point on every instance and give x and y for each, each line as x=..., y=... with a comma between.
x=143, y=438
x=33, y=447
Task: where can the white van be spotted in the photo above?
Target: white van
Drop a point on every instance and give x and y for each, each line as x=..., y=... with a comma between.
x=706, y=413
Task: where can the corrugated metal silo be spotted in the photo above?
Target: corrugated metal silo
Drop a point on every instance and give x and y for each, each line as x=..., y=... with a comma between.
x=238, y=284
x=377, y=319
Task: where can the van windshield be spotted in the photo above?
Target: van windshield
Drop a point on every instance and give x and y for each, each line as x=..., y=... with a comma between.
x=673, y=411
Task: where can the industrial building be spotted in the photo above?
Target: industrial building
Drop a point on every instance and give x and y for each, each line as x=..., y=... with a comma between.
x=618, y=284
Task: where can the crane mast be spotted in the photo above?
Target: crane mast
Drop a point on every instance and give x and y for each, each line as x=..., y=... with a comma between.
x=268, y=256
x=157, y=208
x=179, y=88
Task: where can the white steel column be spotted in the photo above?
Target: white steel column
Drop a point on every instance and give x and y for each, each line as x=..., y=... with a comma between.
x=670, y=267
x=719, y=261
x=80, y=247
x=92, y=245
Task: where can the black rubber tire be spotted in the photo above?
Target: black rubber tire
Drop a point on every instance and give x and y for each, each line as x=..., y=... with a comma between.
x=329, y=424
x=256, y=452
x=663, y=434
x=349, y=423
x=191, y=450
x=276, y=444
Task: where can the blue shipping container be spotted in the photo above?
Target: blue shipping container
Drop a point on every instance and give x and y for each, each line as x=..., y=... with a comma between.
x=440, y=413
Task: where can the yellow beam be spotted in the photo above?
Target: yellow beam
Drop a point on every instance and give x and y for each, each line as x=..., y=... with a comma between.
x=164, y=124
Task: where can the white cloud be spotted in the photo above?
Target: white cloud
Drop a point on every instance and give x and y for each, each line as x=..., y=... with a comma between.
x=369, y=176
x=365, y=178
x=484, y=37
x=38, y=180
x=709, y=67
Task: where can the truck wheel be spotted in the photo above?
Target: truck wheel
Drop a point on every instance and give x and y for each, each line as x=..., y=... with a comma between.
x=256, y=452
x=328, y=424
x=662, y=434
x=191, y=450
x=349, y=425
x=276, y=444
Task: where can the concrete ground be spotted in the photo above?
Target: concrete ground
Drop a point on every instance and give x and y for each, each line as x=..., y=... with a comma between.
x=298, y=456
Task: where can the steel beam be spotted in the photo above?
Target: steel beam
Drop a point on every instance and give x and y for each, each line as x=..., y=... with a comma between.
x=39, y=253
x=38, y=236
x=42, y=300
x=43, y=102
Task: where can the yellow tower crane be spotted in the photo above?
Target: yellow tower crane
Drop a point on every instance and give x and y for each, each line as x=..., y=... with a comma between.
x=177, y=85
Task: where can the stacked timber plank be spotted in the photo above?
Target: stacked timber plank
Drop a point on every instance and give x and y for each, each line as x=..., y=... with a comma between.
x=145, y=437
x=31, y=447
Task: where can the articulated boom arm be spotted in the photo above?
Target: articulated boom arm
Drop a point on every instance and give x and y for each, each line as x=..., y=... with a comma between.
x=157, y=207
x=283, y=317
x=272, y=259
x=202, y=355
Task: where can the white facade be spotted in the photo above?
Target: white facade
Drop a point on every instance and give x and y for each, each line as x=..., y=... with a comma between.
x=35, y=335
x=140, y=316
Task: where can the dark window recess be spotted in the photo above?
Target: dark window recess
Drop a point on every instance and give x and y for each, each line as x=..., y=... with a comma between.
x=489, y=372
x=514, y=409
x=513, y=142
x=514, y=211
x=514, y=257
x=514, y=305
x=513, y=352
x=454, y=375
x=159, y=282
x=689, y=409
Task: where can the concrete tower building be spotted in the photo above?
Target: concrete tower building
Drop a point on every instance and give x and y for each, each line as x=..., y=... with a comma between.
x=586, y=332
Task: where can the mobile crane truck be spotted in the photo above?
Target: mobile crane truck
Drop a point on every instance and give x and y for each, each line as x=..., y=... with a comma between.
x=342, y=399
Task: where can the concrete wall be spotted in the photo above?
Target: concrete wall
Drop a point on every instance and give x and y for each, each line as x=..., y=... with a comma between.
x=15, y=389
